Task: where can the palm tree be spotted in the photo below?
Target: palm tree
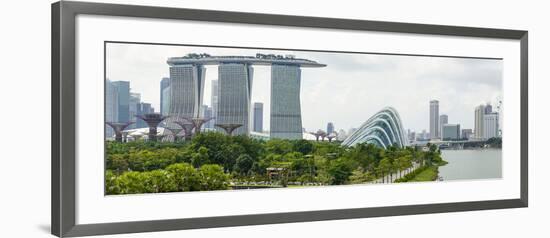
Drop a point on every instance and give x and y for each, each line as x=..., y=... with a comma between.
x=384, y=167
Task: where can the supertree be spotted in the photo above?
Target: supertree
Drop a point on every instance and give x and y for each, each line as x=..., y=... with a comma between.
x=175, y=132
x=319, y=133
x=229, y=128
x=331, y=136
x=187, y=128
x=125, y=136
x=152, y=120
x=118, y=127
x=198, y=122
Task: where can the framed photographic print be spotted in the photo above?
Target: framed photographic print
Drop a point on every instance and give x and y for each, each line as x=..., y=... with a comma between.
x=167, y=119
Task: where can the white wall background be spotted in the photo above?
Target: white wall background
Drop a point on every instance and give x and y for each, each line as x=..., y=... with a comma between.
x=25, y=92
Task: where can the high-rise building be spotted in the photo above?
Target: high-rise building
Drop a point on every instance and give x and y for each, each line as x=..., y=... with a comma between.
x=207, y=113
x=443, y=119
x=142, y=109
x=286, y=115
x=123, y=98
x=146, y=108
x=490, y=125
x=330, y=128
x=488, y=108
x=165, y=101
x=134, y=110
x=478, y=122
x=111, y=106
x=258, y=117
x=434, y=119
x=214, y=101
x=466, y=134
x=186, y=89
x=234, y=91
x=164, y=96
x=451, y=132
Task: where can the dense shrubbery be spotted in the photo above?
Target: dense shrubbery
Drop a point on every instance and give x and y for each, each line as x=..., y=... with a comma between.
x=175, y=178
x=210, y=160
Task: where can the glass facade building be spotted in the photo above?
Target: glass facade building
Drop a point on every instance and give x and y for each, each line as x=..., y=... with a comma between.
x=443, y=119
x=286, y=115
x=490, y=125
x=234, y=91
x=111, y=107
x=135, y=104
x=330, y=128
x=434, y=119
x=186, y=89
x=478, y=122
x=383, y=129
x=165, y=101
x=450, y=132
x=214, y=102
x=123, y=97
x=164, y=84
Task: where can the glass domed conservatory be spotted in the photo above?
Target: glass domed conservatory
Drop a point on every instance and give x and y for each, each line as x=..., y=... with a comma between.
x=383, y=129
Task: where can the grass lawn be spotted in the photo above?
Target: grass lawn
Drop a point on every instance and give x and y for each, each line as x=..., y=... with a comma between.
x=429, y=174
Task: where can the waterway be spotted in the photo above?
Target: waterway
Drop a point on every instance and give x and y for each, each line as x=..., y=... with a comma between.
x=471, y=164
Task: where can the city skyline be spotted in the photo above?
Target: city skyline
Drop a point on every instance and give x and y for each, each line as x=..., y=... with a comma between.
x=433, y=78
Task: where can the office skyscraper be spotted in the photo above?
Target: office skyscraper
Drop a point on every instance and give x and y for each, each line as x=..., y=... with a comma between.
x=142, y=109
x=434, y=119
x=234, y=89
x=207, y=113
x=478, y=122
x=164, y=96
x=450, y=132
x=490, y=125
x=258, y=117
x=488, y=108
x=134, y=110
x=111, y=106
x=146, y=108
x=165, y=101
x=123, y=98
x=286, y=115
x=330, y=128
x=443, y=119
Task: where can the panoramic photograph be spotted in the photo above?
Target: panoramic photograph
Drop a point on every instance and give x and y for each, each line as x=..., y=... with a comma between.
x=187, y=118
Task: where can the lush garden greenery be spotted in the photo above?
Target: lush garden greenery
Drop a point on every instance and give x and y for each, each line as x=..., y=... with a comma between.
x=214, y=161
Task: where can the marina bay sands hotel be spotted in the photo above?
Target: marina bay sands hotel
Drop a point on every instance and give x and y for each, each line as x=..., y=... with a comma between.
x=235, y=76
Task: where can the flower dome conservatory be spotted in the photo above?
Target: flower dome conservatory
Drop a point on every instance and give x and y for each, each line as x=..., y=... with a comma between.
x=383, y=129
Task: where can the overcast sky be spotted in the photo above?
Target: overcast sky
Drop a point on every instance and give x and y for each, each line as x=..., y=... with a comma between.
x=347, y=92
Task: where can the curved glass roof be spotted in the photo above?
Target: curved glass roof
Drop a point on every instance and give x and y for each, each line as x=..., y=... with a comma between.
x=383, y=129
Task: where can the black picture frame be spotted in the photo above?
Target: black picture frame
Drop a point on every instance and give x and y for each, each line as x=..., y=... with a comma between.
x=63, y=136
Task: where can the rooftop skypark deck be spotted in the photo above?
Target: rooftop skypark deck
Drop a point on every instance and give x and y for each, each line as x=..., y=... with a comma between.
x=260, y=59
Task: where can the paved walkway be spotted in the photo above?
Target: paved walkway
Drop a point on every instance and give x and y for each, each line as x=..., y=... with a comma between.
x=395, y=176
